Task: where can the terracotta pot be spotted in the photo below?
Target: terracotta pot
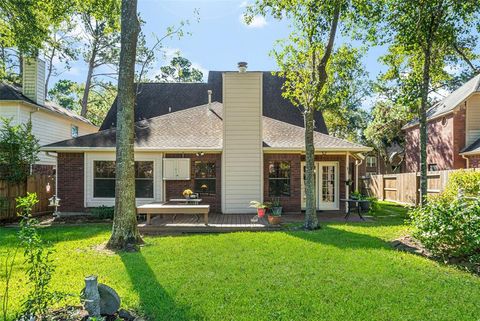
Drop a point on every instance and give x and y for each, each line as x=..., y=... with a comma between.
x=274, y=220
x=260, y=212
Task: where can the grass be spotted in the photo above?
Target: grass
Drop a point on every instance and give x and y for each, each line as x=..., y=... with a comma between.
x=341, y=272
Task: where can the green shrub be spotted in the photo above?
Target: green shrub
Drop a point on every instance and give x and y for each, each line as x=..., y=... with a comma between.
x=449, y=229
x=103, y=212
x=468, y=181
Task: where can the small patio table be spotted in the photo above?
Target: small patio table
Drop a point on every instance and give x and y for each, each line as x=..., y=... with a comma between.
x=356, y=203
x=194, y=201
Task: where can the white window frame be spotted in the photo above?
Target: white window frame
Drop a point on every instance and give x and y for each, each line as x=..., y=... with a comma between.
x=71, y=131
x=369, y=161
x=90, y=158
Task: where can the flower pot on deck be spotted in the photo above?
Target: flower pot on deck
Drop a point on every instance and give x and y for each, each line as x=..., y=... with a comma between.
x=274, y=220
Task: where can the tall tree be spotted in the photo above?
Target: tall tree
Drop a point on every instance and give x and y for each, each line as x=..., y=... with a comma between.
x=305, y=61
x=100, y=24
x=180, y=69
x=59, y=48
x=125, y=233
x=422, y=36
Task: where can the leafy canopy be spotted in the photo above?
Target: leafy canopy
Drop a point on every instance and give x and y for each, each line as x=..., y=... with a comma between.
x=18, y=150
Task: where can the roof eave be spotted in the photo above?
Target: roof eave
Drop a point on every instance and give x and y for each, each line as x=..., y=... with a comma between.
x=137, y=149
x=473, y=152
x=320, y=150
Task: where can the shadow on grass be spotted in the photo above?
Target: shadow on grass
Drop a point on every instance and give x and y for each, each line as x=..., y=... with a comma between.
x=341, y=239
x=155, y=302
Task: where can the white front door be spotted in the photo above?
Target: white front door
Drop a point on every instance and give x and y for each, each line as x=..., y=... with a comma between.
x=328, y=187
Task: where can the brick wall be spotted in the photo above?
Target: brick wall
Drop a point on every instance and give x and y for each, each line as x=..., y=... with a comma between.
x=174, y=189
x=446, y=138
x=70, y=179
x=290, y=203
x=439, y=144
x=459, y=137
x=474, y=161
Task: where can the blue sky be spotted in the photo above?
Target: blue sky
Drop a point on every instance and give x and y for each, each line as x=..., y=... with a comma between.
x=219, y=40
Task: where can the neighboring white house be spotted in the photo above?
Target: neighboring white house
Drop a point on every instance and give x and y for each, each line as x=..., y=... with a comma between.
x=50, y=122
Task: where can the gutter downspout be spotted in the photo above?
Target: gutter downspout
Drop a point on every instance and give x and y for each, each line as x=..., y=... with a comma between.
x=467, y=159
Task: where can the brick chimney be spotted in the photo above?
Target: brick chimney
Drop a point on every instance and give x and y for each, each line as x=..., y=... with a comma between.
x=33, y=82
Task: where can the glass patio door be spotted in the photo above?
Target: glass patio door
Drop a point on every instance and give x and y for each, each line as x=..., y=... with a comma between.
x=328, y=185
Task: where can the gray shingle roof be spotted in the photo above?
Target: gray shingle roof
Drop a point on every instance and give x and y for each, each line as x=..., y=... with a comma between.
x=473, y=148
x=13, y=93
x=199, y=128
x=156, y=99
x=449, y=103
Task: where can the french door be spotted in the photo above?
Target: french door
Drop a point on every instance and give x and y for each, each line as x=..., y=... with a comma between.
x=326, y=185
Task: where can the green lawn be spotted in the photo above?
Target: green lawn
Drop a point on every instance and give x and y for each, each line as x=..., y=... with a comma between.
x=341, y=272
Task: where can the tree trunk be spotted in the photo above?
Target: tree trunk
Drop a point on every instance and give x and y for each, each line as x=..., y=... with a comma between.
x=88, y=82
x=311, y=221
x=49, y=70
x=423, y=125
x=125, y=233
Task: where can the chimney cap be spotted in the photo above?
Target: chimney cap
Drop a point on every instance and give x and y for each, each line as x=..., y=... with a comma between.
x=242, y=66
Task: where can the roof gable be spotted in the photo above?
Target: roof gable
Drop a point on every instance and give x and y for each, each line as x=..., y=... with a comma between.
x=156, y=99
x=12, y=93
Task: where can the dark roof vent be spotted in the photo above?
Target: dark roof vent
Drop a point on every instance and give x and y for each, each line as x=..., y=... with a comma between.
x=242, y=66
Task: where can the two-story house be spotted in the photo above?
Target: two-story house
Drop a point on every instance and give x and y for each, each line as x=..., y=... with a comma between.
x=50, y=122
x=453, y=132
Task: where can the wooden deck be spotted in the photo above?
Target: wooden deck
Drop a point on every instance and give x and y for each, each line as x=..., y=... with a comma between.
x=222, y=223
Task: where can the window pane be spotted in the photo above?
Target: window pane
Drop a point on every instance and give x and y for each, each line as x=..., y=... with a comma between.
x=144, y=188
x=204, y=169
x=205, y=185
x=104, y=188
x=279, y=187
x=144, y=170
x=104, y=179
x=104, y=169
x=279, y=170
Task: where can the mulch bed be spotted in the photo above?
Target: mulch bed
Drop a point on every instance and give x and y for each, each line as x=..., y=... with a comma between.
x=77, y=313
x=409, y=244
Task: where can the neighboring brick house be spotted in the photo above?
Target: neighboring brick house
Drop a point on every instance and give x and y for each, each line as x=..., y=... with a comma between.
x=232, y=140
x=453, y=132
x=50, y=122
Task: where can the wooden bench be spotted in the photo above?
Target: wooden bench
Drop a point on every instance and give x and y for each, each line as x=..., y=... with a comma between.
x=173, y=209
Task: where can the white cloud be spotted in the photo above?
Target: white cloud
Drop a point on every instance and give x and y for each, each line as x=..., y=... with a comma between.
x=243, y=4
x=257, y=21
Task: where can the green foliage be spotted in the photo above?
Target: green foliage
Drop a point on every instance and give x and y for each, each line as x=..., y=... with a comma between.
x=39, y=265
x=26, y=24
x=68, y=94
x=180, y=69
x=468, y=181
x=257, y=204
x=103, y=212
x=449, y=229
x=18, y=150
x=6, y=272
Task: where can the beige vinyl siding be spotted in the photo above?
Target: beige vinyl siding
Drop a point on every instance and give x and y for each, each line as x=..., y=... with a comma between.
x=34, y=79
x=242, y=155
x=473, y=119
x=50, y=128
x=90, y=157
x=10, y=110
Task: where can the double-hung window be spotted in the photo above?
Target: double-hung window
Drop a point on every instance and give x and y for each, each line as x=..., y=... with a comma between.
x=205, y=180
x=371, y=161
x=279, y=178
x=104, y=179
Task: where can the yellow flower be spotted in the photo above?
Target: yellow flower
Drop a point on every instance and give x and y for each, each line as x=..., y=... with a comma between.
x=187, y=192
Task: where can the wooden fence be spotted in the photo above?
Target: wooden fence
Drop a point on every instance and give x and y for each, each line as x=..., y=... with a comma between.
x=43, y=185
x=404, y=188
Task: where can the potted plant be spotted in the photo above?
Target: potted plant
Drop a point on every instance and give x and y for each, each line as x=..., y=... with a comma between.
x=274, y=217
x=187, y=193
x=261, y=207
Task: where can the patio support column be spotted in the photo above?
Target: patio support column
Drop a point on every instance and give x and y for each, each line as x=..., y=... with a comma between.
x=347, y=187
